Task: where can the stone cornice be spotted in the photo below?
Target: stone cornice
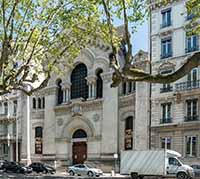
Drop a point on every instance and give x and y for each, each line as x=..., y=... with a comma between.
x=81, y=107
x=127, y=100
x=49, y=90
x=107, y=77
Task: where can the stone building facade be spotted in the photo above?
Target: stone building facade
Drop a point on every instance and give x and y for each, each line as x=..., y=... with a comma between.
x=175, y=107
x=79, y=118
x=11, y=125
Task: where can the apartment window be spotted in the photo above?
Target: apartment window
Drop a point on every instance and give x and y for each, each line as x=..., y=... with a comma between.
x=191, y=43
x=166, y=113
x=166, y=142
x=193, y=78
x=192, y=110
x=166, y=48
x=5, y=149
x=5, y=129
x=191, y=146
x=6, y=108
x=14, y=128
x=166, y=18
x=166, y=88
x=15, y=107
x=189, y=16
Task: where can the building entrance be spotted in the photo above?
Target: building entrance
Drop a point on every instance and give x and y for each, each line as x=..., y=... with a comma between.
x=79, y=147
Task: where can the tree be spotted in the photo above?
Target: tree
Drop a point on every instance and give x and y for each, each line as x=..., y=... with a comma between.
x=132, y=13
x=35, y=35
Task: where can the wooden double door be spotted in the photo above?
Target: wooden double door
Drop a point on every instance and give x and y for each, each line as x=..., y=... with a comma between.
x=79, y=152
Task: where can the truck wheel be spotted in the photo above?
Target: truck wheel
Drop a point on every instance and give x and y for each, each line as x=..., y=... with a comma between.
x=134, y=175
x=140, y=177
x=181, y=175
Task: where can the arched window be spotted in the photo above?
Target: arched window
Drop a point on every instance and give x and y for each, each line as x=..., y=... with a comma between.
x=79, y=134
x=38, y=140
x=99, y=84
x=79, y=87
x=128, y=144
x=59, y=92
x=39, y=103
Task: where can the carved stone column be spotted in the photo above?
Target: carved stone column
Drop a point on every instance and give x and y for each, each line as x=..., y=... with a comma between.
x=66, y=87
x=91, y=81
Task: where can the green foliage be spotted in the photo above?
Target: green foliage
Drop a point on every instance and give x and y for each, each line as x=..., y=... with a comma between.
x=36, y=34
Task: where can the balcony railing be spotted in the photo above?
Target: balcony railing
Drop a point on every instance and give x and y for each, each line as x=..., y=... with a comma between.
x=191, y=118
x=162, y=56
x=166, y=120
x=187, y=85
x=191, y=49
x=167, y=24
x=167, y=89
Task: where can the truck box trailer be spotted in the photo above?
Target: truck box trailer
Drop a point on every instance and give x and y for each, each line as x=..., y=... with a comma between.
x=154, y=163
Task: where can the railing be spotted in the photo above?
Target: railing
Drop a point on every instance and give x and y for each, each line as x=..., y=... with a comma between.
x=187, y=85
x=166, y=120
x=166, y=55
x=191, y=49
x=191, y=118
x=163, y=25
x=165, y=90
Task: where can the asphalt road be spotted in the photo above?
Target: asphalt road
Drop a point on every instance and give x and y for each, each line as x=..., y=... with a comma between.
x=55, y=176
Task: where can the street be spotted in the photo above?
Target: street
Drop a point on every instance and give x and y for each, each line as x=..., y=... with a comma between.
x=60, y=175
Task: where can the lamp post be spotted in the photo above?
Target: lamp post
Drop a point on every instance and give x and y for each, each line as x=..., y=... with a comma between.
x=28, y=130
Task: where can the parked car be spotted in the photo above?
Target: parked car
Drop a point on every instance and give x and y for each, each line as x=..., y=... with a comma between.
x=196, y=168
x=27, y=169
x=83, y=169
x=41, y=167
x=1, y=164
x=14, y=167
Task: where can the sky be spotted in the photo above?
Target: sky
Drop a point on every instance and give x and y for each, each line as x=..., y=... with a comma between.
x=140, y=38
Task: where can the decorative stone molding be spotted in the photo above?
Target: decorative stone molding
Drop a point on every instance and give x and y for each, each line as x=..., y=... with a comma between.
x=91, y=79
x=126, y=101
x=96, y=117
x=50, y=90
x=66, y=85
x=76, y=106
x=166, y=66
x=107, y=77
x=60, y=122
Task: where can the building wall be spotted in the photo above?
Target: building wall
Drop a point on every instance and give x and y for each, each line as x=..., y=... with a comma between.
x=180, y=92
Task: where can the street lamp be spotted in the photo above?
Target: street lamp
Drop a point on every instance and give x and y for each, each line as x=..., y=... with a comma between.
x=28, y=129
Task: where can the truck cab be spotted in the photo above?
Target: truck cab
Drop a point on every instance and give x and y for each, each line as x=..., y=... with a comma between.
x=175, y=167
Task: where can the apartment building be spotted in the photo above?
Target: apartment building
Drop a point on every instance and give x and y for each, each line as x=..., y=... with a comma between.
x=175, y=106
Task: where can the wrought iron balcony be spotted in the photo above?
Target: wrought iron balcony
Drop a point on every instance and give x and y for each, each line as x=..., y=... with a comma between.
x=189, y=85
x=167, y=89
x=167, y=55
x=166, y=24
x=191, y=49
x=166, y=120
x=191, y=118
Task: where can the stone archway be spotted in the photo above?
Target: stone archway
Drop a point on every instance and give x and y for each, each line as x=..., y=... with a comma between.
x=79, y=146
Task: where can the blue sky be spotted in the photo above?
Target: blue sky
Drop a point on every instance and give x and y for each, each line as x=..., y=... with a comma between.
x=140, y=38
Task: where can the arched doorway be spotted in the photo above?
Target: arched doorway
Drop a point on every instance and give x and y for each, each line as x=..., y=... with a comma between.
x=79, y=147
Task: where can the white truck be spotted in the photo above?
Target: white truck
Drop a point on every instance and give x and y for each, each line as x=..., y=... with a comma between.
x=154, y=163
